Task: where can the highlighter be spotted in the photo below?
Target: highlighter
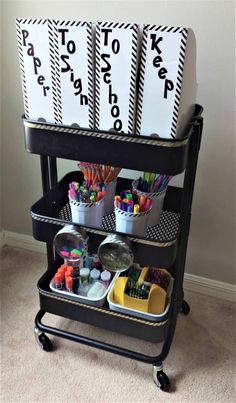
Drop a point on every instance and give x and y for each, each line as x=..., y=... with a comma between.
x=142, y=200
x=148, y=204
x=136, y=209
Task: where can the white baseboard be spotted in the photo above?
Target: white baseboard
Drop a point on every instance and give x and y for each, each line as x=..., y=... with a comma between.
x=22, y=241
x=207, y=286
x=201, y=285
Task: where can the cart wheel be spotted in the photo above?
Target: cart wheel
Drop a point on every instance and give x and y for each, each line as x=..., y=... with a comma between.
x=185, y=308
x=43, y=341
x=161, y=379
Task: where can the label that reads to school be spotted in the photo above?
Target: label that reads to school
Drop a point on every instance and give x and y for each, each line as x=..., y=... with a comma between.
x=73, y=72
x=115, y=81
x=162, y=70
x=34, y=55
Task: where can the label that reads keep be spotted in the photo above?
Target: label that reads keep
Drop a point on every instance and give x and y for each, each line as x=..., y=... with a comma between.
x=73, y=75
x=161, y=72
x=34, y=55
x=115, y=79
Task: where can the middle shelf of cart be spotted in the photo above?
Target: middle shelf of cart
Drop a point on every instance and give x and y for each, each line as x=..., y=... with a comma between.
x=158, y=248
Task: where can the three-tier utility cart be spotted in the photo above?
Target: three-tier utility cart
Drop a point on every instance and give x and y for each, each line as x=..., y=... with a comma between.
x=164, y=246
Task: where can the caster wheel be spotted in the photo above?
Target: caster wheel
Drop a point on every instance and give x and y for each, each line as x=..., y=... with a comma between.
x=43, y=341
x=161, y=380
x=185, y=308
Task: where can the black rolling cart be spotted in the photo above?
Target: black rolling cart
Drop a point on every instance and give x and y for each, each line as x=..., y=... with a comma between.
x=164, y=246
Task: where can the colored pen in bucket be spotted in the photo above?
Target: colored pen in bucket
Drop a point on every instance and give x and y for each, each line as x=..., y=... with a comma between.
x=153, y=183
x=86, y=193
x=131, y=203
x=98, y=172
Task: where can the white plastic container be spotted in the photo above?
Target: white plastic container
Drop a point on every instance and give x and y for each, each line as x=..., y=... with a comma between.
x=130, y=223
x=139, y=314
x=85, y=300
x=109, y=197
x=157, y=203
x=87, y=213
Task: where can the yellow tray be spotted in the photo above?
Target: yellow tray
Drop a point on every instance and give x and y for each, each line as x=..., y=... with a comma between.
x=155, y=304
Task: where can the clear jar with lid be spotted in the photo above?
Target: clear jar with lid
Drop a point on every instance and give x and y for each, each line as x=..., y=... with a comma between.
x=94, y=275
x=106, y=278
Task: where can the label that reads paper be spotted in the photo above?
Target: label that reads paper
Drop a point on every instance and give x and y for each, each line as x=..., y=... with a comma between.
x=161, y=73
x=34, y=54
x=115, y=82
x=73, y=72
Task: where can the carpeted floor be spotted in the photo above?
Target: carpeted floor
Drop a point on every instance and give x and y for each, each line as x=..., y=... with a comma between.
x=201, y=363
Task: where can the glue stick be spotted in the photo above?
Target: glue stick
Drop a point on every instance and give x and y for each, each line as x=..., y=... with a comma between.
x=69, y=284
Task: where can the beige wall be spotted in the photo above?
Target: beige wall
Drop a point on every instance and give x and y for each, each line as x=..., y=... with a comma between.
x=211, y=244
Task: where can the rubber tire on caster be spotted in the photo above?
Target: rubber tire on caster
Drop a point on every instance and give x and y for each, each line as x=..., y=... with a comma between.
x=162, y=381
x=44, y=342
x=185, y=308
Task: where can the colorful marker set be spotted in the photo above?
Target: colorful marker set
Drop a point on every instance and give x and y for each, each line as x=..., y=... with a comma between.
x=132, y=203
x=136, y=290
x=89, y=192
x=153, y=183
x=158, y=277
x=98, y=173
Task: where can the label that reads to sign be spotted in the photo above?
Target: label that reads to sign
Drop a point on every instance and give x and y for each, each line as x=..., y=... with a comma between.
x=162, y=69
x=115, y=78
x=34, y=54
x=72, y=71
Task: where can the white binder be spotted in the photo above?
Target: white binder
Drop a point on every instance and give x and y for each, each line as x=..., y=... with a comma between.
x=167, y=81
x=115, y=77
x=34, y=54
x=72, y=71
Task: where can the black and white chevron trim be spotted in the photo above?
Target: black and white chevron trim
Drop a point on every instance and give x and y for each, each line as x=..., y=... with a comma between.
x=55, y=69
x=52, y=68
x=22, y=69
x=31, y=21
x=162, y=28
x=87, y=205
x=72, y=23
x=90, y=76
x=174, y=122
x=115, y=25
x=127, y=214
x=97, y=75
x=141, y=77
x=133, y=78
x=110, y=136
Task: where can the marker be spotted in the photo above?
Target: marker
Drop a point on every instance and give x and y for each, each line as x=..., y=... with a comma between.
x=142, y=200
x=69, y=272
x=117, y=200
x=123, y=206
x=136, y=209
x=148, y=204
x=57, y=281
x=142, y=208
x=69, y=284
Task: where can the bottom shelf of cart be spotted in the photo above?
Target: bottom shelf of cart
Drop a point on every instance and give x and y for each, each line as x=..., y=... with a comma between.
x=100, y=316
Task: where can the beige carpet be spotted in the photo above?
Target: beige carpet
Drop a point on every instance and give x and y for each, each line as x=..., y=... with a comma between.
x=201, y=363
